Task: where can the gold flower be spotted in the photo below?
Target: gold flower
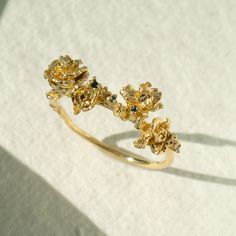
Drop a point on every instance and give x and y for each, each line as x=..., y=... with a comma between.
x=140, y=102
x=64, y=73
x=84, y=98
x=157, y=136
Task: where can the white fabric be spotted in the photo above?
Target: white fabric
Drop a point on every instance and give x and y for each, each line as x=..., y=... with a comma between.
x=185, y=48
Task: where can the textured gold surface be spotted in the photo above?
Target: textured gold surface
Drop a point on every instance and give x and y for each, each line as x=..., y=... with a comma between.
x=68, y=77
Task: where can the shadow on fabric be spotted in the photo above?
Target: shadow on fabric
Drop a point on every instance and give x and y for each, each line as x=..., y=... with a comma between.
x=196, y=138
x=30, y=206
x=2, y=6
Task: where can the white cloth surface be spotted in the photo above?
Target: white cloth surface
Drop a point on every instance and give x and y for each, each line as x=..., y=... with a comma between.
x=185, y=48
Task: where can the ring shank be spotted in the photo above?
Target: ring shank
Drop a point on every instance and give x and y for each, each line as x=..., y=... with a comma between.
x=118, y=153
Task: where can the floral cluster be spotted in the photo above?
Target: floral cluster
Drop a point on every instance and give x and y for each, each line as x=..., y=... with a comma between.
x=157, y=136
x=138, y=102
x=64, y=73
x=85, y=97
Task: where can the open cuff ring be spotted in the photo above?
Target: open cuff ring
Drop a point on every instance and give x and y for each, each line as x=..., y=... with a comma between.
x=69, y=78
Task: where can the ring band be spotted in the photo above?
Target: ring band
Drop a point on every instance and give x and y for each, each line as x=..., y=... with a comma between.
x=69, y=78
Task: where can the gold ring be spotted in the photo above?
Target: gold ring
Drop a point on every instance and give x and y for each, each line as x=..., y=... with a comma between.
x=69, y=78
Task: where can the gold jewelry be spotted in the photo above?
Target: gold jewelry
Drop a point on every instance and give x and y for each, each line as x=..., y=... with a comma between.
x=68, y=78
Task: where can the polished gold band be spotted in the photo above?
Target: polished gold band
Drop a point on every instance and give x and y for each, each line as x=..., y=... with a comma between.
x=68, y=78
x=119, y=154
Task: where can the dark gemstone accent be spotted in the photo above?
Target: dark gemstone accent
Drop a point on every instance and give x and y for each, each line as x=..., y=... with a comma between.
x=134, y=108
x=94, y=84
x=113, y=98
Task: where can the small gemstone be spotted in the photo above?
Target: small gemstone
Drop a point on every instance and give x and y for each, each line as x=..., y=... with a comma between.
x=113, y=98
x=134, y=108
x=94, y=84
